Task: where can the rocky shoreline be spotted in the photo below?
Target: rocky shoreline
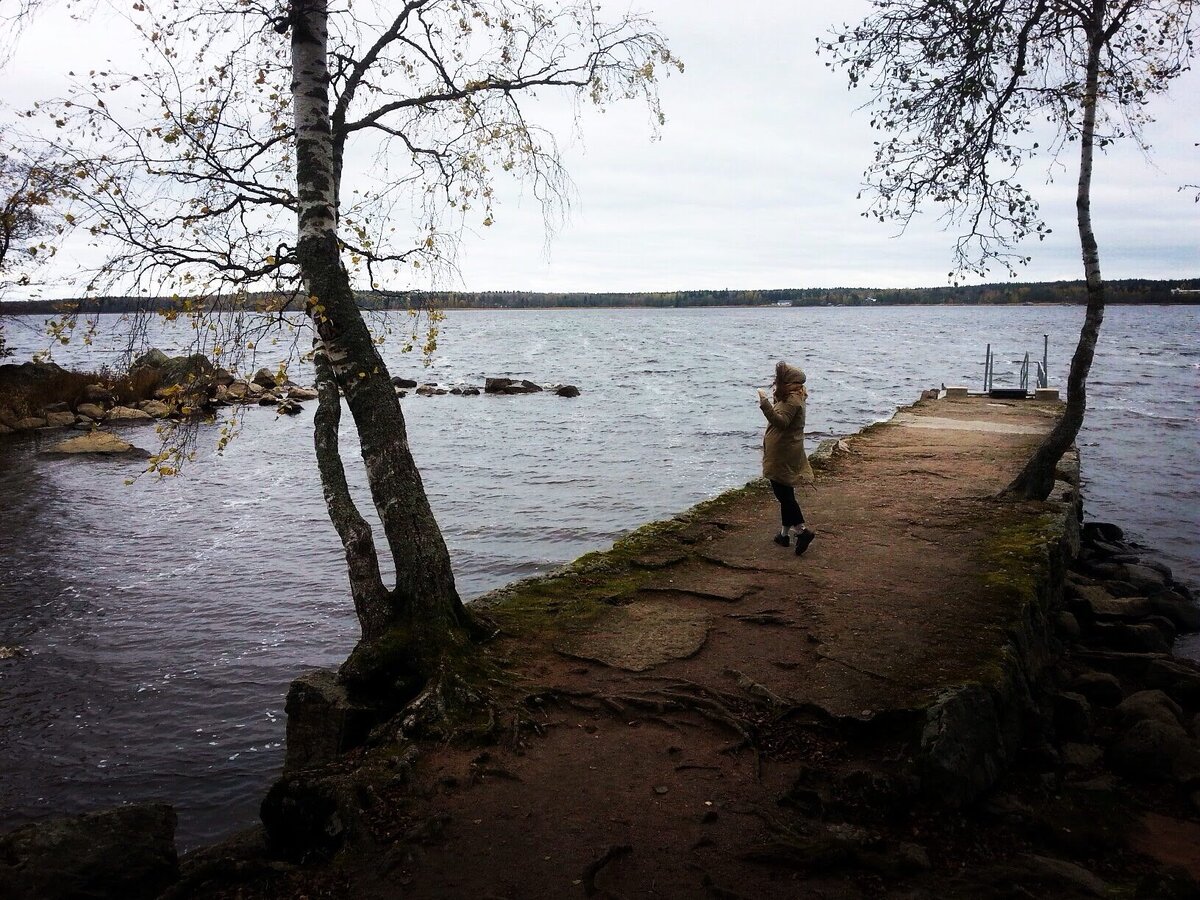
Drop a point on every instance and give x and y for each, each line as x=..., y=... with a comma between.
x=41, y=396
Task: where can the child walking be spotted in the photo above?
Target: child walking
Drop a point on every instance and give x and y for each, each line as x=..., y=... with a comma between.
x=785, y=463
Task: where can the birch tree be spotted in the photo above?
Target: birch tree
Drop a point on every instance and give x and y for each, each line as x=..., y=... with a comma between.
x=960, y=91
x=321, y=151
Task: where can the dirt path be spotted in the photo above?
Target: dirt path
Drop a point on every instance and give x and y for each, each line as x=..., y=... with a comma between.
x=683, y=689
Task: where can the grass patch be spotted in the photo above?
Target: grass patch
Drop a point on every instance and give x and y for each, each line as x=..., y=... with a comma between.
x=578, y=594
x=1017, y=555
x=27, y=389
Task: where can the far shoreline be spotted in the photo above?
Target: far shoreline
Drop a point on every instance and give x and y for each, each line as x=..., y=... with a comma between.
x=1119, y=292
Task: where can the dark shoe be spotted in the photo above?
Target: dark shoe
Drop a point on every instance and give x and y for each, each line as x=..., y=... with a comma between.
x=803, y=539
x=782, y=540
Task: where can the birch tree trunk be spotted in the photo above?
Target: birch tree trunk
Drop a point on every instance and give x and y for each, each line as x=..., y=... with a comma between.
x=1036, y=480
x=422, y=614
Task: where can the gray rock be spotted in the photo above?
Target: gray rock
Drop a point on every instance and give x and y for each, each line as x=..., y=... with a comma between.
x=1072, y=714
x=912, y=857
x=1119, y=588
x=91, y=410
x=192, y=372
x=60, y=419
x=406, y=383
x=264, y=377
x=510, y=386
x=1145, y=578
x=266, y=398
x=1152, y=704
x=1067, y=873
x=1105, y=548
x=1081, y=756
x=29, y=423
x=1104, y=571
x=222, y=377
x=127, y=414
x=1067, y=625
x=153, y=358
x=1180, y=680
x=1100, y=688
x=1152, y=750
x=308, y=815
x=98, y=394
x=470, y=392
x=236, y=392
x=100, y=443
x=126, y=853
x=1137, y=638
x=322, y=722
x=1160, y=567
x=960, y=749
x=1183, y=613
x=155, y=408
x=289, y=407
x=1105, y=531
x=1093, y=601
x=567, y=390
x=296, y=392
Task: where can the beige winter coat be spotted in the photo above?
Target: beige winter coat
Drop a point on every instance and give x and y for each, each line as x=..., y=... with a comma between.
x=784, y=459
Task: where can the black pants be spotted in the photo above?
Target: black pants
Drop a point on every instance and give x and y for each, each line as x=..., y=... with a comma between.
x=789, y=509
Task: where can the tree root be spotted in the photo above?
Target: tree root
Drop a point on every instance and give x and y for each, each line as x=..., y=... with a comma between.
x=616, y=851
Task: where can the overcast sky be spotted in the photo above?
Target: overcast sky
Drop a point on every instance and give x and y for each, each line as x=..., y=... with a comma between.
x=753, y=182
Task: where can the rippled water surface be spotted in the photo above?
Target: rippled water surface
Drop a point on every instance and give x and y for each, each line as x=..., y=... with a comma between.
x=160, y=623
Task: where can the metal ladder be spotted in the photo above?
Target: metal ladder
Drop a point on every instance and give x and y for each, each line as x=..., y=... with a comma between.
x=1042, y=373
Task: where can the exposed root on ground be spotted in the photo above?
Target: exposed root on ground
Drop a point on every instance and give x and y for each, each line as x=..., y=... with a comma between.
x=593, y=868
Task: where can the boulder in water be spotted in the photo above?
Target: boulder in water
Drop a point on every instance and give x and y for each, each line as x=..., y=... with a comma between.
x=510, y=386
x=264, y=378
x=406, y=383
x=102, y=443
x=152, y=358
x=567, y=390
x=296, y=392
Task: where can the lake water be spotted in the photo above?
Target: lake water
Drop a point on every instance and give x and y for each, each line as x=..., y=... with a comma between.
x=160, y=623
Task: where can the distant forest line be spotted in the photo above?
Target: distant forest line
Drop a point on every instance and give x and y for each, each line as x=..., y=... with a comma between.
x=1122, y=291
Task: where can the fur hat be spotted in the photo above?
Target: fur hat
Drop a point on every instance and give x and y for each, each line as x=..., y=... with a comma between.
x=785, y=374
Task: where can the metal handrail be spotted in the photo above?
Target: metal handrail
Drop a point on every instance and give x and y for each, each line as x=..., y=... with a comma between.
x=1041, y=372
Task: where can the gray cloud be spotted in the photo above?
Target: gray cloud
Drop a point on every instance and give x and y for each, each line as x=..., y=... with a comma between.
x=753, y=181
